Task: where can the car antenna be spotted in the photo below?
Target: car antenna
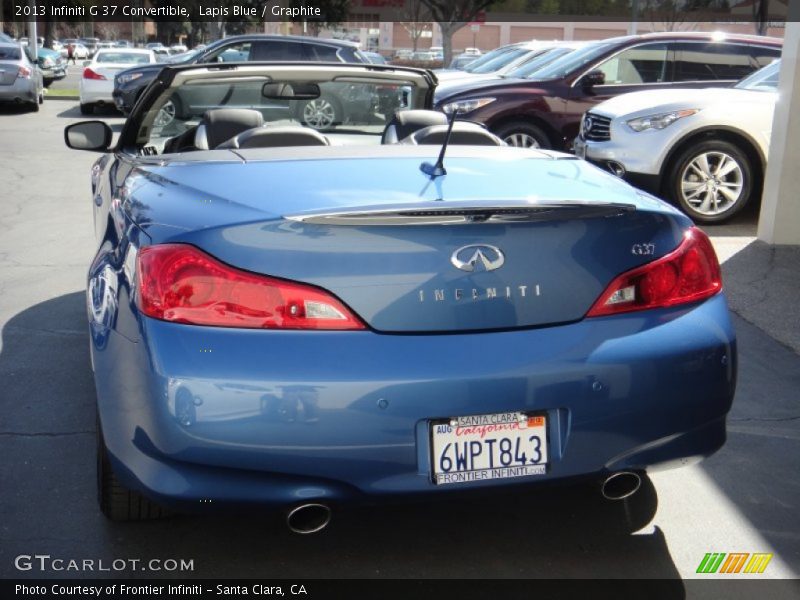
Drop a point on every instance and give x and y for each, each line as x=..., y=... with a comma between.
x=438, y=169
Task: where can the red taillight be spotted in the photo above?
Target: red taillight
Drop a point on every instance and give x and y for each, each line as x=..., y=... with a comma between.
x=687, y=274
x=89, y=74
x=23, y=72
x=180, y=283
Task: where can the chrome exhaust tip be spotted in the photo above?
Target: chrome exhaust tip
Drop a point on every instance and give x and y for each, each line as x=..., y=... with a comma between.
x=621, y=485
x=308, y=518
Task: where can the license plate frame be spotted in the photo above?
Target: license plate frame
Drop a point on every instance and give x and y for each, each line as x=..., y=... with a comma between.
x=537, y=422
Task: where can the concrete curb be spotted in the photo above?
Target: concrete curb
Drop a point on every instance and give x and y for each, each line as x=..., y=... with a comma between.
x=73, y=98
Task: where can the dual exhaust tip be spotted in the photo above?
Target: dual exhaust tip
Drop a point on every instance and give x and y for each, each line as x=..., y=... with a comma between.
x=313, y=517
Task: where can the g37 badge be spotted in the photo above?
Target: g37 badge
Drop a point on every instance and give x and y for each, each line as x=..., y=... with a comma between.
x=643, y=249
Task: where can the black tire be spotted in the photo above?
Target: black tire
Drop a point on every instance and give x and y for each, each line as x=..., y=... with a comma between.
x=686, y=185
x=41, y=97
x=117, y=502
x=87, y=109
x=523, y=134
x=327, y=113
x=34, y=106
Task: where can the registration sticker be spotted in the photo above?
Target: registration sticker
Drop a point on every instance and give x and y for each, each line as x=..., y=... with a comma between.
x=483, y=447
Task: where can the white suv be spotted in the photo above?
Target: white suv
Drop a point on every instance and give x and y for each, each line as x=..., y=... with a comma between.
x=705, y=149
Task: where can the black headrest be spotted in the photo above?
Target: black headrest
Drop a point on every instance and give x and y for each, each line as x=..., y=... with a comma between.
x=406, y=122
x=221, y=124
x=273, y=137
x=463, y=133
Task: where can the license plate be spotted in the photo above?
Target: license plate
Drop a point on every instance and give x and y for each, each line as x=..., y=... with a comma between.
x=484, y=447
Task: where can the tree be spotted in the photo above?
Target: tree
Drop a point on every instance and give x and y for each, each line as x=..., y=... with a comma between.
x=225, y=25
x=452, y=15
x=69, y=29
x=332, y=13
x=417, y=21
x=108, y=30
x=668, y=15
x=761, y=16
x=582, y=8
x=680, y=15
x=52, y=26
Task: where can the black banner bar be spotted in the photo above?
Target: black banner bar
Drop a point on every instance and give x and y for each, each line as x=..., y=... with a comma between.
x=438, y=589
x=675, y=12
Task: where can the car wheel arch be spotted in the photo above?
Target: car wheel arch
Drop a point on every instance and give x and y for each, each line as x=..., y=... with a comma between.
x=732, y=135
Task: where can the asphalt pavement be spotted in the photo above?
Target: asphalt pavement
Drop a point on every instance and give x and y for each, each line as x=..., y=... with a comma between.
x=72, y=80
x=743, y=499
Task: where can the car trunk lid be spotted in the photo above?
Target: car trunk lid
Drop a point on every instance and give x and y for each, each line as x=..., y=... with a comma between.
x=412, y=255
x=8, y=73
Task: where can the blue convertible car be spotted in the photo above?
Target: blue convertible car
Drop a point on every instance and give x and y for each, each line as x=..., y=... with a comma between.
x=402, y=307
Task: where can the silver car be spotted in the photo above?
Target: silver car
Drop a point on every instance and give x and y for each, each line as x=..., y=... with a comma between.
x=20, y=80
x=704, y=149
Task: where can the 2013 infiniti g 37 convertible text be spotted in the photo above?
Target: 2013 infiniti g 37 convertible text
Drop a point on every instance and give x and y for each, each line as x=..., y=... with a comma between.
x=291, y=320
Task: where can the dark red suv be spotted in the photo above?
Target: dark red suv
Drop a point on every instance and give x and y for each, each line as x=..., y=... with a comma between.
x=544, y=109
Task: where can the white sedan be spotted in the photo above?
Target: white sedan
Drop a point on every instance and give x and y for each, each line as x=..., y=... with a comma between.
x=97, y=82
x=703, y=149
x=79, y=51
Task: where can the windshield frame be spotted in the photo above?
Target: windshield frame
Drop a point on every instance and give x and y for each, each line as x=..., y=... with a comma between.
x=136, y=132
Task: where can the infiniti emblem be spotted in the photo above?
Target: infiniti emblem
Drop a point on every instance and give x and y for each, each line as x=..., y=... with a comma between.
x=587, y=126
x=467, y=258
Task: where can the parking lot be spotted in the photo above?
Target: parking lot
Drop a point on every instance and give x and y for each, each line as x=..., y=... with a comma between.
x=743, y=499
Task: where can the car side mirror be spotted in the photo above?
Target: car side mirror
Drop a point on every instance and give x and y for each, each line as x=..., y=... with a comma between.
x=593, y=78
x=88, y=135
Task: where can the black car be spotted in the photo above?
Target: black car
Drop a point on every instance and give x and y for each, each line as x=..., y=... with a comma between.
x=130, y=83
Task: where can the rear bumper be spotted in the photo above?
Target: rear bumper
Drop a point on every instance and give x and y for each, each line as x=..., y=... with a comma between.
x=92, y=91
x=192, y=414
x=23, y=90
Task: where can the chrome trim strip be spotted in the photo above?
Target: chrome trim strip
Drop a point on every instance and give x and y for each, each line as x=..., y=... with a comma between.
x=463, y=213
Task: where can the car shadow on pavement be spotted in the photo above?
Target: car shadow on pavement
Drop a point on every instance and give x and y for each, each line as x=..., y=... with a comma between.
x=745, y=224
x=74, y=112
x=8, y=109
x=47, y=441
x=759, y=467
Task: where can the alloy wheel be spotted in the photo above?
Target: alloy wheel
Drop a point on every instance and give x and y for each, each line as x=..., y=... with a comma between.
x=166, y=115
x=319, y=114
x=521, y=140
x=712, y=183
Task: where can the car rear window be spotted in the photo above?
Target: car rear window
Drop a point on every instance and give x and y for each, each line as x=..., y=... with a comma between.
x=10, y=54
x=712, y=61
x=277, y=50
x=322, y=53
x=123, y=58
x=646, y=63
